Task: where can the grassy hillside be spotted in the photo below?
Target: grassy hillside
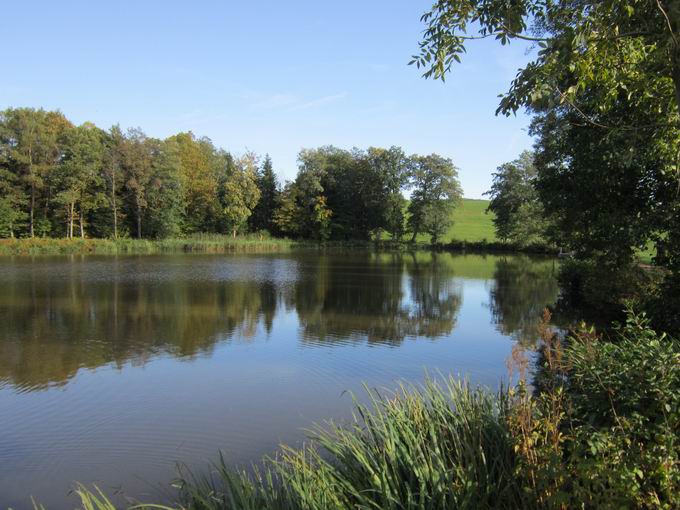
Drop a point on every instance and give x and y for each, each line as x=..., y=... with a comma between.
x=470, y=223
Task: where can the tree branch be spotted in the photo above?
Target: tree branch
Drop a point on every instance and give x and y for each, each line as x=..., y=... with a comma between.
x=668, y=22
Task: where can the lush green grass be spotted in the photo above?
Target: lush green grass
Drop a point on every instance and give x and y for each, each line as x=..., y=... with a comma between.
x=647, y=255
x=204, y=243
x=471, y=223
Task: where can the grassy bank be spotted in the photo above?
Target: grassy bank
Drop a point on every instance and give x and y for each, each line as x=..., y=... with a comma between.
x=194, y=244
x=471, y=222
x=602, y=432
x=226, y=244
x=497, y=247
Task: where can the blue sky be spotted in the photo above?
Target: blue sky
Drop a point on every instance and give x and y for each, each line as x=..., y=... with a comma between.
x=266, y=76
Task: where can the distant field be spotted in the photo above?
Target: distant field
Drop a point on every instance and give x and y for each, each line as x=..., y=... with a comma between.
x=470, y=223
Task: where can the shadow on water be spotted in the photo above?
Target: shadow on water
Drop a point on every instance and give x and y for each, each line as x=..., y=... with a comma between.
x=522, y=288
x=383, y=298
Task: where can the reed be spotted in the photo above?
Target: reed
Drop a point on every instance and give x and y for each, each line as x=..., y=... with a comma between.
x=193, y=244
x=440, y=445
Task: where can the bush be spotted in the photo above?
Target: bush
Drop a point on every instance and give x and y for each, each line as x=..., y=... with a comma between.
x=598, y=291
x=664, y=304
x=625, y=417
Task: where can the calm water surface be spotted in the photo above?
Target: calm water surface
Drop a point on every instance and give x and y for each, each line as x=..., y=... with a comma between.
x=112, y=369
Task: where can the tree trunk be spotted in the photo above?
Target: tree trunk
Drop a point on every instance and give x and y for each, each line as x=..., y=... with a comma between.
x=48, y=198
x=30, y=173
x=72, y=213
x=233, y=232
x=114, y=206
x=82, y=224
x=139, y=223
x=671, y=8
x=32, y=206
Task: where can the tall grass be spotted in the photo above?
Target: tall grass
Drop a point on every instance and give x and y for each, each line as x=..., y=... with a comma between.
x=439, y=445
x=442, y=445
x=252, y=243
x=205, y=243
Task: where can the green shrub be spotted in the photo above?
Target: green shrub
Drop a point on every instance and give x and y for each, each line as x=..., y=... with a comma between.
x=624, y=422
x=598, y=291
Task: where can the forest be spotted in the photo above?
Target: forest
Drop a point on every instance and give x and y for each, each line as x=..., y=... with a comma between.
x=62, y=180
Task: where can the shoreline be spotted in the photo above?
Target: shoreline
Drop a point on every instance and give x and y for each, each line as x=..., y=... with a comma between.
x=225, y=244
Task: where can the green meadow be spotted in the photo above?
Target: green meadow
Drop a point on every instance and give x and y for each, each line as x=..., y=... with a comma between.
x=471, y=223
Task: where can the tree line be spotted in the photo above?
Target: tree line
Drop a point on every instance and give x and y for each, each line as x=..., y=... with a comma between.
x=358, y=194
x=62, y=180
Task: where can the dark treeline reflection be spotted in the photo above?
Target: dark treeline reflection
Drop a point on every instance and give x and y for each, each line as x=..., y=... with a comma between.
x=522, y=288
x=381, y=297
x=60, y=315
x=50, y=329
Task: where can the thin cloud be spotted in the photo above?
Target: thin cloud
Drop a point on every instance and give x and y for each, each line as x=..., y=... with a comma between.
x=291, y=102
x=315, y=103
x=388, y=107
x=277, y=101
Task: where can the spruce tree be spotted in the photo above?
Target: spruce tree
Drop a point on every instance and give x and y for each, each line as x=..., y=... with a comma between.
x=263, y=213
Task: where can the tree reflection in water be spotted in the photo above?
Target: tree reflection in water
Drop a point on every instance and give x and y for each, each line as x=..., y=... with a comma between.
x=522, y=288
x=58, y=316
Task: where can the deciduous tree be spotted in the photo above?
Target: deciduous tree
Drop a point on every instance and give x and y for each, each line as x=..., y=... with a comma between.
x=31, y=141
x=164, y=194
x=113, y=173
x=198, y=173
x=604, y=85
x=78, y=175
x=138, y=167
x=287, y=213
x=518, y=213
x=436, y=191
x=240, y=192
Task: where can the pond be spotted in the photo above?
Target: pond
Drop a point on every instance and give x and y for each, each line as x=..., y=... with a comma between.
x=115, y=368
